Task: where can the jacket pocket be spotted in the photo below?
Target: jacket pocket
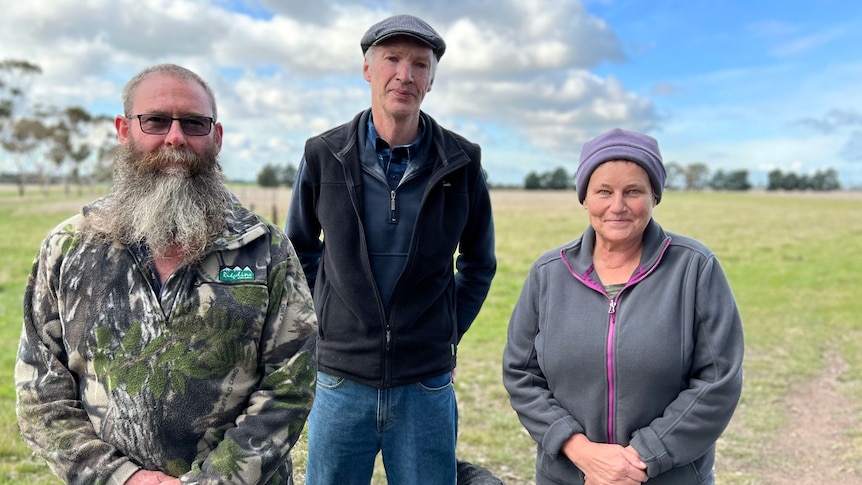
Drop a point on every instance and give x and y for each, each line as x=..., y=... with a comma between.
x=557, y=470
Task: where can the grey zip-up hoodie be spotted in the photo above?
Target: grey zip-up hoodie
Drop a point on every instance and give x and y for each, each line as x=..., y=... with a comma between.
x=658, y=367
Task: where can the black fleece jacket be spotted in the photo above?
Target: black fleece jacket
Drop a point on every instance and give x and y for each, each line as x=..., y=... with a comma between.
x=432, y=304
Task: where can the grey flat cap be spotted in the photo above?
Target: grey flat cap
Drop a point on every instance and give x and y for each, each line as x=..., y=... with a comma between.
x=404, y=25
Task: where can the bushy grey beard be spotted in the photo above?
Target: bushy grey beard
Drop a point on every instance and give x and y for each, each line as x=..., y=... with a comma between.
x=168, y=199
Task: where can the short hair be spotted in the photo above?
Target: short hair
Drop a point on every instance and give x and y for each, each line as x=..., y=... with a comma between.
x=172, y=70
x=369, y=55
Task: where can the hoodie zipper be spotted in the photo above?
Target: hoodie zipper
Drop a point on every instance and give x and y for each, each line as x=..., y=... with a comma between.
x=612, y=324
x=609, y=355
x=447, y=168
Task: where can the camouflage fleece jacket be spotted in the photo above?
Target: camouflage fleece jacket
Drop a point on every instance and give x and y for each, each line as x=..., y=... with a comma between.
x=211, y=383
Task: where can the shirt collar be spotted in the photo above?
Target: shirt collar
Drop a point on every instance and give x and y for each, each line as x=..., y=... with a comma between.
x=381, y=145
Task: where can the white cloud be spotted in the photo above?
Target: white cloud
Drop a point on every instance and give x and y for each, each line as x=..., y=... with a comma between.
x=519, y=76
x=283, y=71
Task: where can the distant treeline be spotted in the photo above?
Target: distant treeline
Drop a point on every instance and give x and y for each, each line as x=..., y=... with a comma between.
x=46, y=144
x=272, y=175
x=697, y=176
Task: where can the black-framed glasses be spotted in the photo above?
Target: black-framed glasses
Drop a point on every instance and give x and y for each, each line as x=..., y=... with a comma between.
x=153, y=124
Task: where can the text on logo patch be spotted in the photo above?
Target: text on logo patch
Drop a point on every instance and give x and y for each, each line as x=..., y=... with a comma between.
x=236, y=274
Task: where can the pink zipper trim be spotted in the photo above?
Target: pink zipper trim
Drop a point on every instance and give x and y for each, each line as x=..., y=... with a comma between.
x=612, y=323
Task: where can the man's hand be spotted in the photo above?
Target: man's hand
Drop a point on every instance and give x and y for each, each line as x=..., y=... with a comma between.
x=605, y=464
x=149, y=477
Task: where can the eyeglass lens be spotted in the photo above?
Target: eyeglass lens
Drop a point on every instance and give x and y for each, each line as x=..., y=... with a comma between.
x=161, y=125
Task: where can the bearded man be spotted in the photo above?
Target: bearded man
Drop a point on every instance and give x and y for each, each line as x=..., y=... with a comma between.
x=169, y=333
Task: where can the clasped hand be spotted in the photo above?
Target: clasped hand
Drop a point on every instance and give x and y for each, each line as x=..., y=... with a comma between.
x=149, y=477
x=605, y=464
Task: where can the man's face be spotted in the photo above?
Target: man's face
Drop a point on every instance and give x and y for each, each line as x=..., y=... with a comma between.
x=168, y=96
x=400, y=73
x=168, y=189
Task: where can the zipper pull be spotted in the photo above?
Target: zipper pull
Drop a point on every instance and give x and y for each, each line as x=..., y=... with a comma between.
x=388, y=336
x=613, y=307
x=392, y=206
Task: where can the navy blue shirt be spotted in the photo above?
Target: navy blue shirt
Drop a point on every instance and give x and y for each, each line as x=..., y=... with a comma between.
x=394, y=160
x=391, y=206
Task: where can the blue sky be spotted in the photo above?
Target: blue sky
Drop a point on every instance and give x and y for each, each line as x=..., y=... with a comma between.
x=732, y=84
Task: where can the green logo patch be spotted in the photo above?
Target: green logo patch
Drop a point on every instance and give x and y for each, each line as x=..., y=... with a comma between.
x=236, y=274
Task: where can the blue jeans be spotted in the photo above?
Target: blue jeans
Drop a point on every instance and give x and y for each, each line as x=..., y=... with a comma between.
x=414, y=426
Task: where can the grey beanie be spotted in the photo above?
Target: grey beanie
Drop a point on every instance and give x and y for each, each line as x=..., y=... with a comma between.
x=620, y=144
x=403, y=25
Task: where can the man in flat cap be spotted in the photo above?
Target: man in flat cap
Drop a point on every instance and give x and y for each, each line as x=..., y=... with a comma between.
x=396, y=196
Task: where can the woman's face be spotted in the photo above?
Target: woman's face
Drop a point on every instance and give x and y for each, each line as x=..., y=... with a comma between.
x=619, y=202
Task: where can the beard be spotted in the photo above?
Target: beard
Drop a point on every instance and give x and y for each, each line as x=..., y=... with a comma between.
x=170, y=200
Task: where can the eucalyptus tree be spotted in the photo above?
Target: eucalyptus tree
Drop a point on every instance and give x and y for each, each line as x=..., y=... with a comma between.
x=68, y=143
x=22, y=138
x=16, y=77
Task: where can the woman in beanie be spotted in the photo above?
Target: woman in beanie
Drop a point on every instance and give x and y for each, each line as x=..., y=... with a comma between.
x=624, y=352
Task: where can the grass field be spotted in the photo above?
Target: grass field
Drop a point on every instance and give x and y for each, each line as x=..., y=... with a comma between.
x=794, y=262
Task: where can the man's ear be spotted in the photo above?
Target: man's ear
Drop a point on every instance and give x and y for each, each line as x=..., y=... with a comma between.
x=122, y=125
x=218, y=135
x=366, y=70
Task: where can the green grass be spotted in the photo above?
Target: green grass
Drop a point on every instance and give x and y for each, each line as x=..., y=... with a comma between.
x=25, y=223
x=793, y=262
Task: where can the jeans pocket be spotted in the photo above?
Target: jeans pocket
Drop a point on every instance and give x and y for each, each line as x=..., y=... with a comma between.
x=436, y=383
x=328, y=381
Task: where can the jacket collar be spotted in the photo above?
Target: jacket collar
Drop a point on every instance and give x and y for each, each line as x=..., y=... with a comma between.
x=343, y=141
